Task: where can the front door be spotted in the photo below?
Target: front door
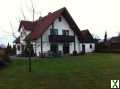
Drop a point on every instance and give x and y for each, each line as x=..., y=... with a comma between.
x=66, y=48
x=83, y=49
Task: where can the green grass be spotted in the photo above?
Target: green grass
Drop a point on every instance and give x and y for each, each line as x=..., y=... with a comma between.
x=92, y=71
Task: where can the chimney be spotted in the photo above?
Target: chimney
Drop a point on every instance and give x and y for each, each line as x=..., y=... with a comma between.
x=40, y=17
x=49, y=13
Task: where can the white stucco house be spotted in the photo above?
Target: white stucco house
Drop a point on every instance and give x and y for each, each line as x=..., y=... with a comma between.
x=54, y=32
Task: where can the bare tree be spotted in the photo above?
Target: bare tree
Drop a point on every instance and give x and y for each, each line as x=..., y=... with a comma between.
x=13, y=33
x=28, y=41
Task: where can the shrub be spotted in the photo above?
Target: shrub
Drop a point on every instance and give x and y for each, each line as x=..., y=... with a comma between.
x=4, y=56
x=2, y=63
x=75, y=53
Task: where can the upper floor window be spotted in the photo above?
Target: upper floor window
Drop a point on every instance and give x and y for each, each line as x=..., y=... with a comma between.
x=23, y=34
x=53, y=31
x=65, y=32
x=60, y=19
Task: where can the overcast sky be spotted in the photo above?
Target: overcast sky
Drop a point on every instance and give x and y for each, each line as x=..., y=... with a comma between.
x=96, y=15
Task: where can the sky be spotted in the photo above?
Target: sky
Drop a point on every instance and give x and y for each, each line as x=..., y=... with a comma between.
x=96, y=15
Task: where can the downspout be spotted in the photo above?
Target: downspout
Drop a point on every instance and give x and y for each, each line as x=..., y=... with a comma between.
x=35, y=49
x=41, y=46
x=74, y=43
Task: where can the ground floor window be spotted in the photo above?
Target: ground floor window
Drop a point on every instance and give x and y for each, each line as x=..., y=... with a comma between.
x=54, y=48
x=18, y=47
x=66, y=48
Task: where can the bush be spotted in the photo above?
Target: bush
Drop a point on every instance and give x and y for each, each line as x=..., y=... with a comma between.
x=2, y=63
x=75, y=53
x=4, y=57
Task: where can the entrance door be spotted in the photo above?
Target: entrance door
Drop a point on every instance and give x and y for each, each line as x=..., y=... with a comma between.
x=66, y=48
x=83, y=48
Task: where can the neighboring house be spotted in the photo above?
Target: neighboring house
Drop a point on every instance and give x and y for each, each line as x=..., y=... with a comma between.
x=109, y=45
x=114, y=43
x=87, y=42
x=55, y=32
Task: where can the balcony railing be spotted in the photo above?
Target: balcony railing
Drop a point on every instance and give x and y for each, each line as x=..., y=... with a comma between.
x=61, y=38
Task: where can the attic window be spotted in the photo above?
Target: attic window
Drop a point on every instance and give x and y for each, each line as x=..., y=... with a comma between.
x=60, y=19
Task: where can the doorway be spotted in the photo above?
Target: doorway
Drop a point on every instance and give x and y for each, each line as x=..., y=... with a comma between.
x=83, y=48
x=66, y=48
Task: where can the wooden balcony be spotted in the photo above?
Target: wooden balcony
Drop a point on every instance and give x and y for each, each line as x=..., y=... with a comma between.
x=61, y=38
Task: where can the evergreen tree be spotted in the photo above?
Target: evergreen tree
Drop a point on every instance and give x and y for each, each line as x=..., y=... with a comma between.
x=105, y=37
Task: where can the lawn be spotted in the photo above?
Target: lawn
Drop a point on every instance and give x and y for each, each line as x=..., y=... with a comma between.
x=92, y=71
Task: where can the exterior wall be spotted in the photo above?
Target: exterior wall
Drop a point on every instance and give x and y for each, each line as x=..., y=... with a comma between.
x=63, y=25
x=77, y=46
x=45, y=44
x=60, y=47
x=22, y=37
x=87, y=47
x=18, y=52
x=24, y=34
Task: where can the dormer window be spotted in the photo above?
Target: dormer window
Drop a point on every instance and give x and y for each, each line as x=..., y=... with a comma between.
x=60, y=19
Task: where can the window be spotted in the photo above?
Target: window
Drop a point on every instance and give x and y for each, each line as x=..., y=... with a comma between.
x=23, y=47
x=21, y=34
x=60, y=19
x=54, y=48
x=90, y=45
x=54, y=32
x=65, y=32
x=18, y=47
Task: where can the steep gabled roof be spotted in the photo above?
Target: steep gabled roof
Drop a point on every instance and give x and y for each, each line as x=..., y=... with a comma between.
x=40, y=26
x=28, y=25
x=85, y=36
x=115, y=39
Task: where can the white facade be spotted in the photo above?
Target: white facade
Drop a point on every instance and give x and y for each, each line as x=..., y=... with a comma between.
x=88, y=49
x=60, y=25
x=18, y=49
x=63, y=25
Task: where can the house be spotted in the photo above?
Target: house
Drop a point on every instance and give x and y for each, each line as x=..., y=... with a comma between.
x=109, y=44
x=87, y=42
x=114, y=44
x=56, y=32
